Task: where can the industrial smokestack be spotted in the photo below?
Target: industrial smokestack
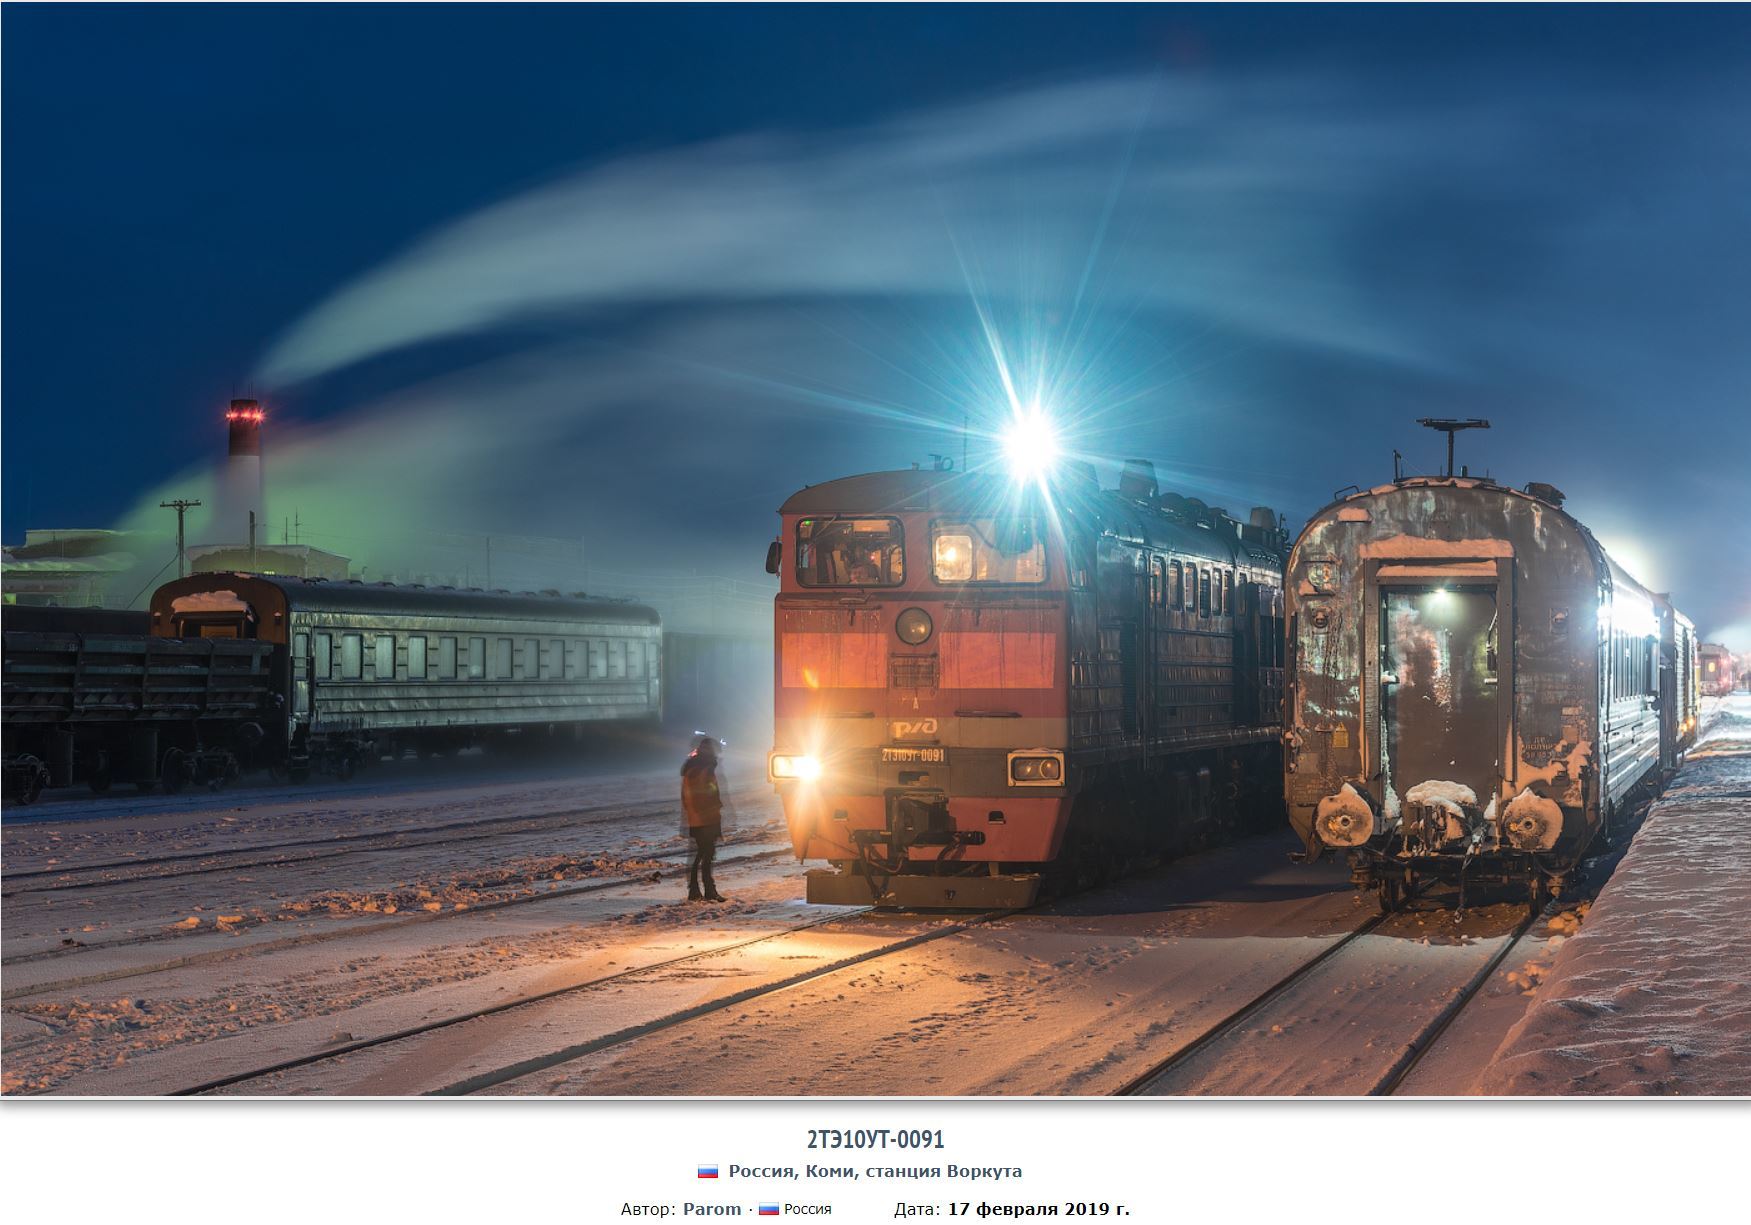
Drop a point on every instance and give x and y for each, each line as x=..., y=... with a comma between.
x=242, y=504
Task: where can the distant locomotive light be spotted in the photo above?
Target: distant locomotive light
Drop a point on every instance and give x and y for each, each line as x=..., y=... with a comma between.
x=1031, y=447
x=913, y=626
x=799, y=768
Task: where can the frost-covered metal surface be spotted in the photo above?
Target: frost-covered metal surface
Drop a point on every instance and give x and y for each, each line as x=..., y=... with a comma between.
x=1467, y=658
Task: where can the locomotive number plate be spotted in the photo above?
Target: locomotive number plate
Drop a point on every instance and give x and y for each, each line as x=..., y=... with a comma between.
x=929, y=757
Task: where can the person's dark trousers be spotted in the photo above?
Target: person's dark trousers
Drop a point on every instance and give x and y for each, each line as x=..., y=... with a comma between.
x=704, y=852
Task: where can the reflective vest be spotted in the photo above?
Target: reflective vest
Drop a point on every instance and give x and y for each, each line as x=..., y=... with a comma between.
x=699, y=795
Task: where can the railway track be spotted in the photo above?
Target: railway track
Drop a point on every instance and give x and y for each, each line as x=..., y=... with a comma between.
x=380, y=925
x=352, y=844
x=1419, y=1046
x=1138, y=1086
x=1230, y=1026
x=524, y=1067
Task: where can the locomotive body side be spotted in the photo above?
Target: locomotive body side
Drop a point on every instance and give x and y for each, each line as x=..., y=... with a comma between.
x=1475, y=685
x=957, y=672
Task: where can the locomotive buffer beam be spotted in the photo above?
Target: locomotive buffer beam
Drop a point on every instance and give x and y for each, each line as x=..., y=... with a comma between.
x=856, y=886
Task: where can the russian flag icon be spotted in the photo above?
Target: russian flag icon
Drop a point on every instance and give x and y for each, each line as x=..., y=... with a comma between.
x=768, y=1209
x=708, y=1171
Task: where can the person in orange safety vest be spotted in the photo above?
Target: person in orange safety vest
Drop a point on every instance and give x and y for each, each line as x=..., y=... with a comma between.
x=702, y=802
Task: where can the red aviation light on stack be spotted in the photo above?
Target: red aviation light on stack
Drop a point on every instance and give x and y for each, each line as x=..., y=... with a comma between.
x=244, y=418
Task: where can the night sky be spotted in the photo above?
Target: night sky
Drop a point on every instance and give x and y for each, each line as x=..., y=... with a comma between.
x=632, y=275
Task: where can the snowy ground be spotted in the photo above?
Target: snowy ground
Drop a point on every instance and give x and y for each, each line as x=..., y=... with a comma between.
x=517, y=933
x=1654, y=995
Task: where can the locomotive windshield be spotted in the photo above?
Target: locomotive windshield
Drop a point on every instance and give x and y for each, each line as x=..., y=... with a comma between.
x=840, y=551
x=1001, y=550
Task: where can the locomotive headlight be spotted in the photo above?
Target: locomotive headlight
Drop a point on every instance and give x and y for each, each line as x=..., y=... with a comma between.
x=1036, y=768
x=1031, y=446
x=913, y=626
x=793, y=767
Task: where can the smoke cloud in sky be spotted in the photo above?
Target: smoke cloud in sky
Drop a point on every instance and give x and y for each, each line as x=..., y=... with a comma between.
x=1260, y=281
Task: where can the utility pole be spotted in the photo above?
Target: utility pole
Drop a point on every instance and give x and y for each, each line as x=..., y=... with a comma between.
x=1451, y=426
x=181, y=507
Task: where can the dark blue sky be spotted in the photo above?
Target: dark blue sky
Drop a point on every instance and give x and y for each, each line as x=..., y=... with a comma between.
x=741, y=247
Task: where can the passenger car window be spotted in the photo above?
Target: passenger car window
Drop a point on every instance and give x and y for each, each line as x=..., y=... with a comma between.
x=476, y=658
x=383, y=657
x=1203, y=593
x=840, y=551
x=446, y=659
x=324, y=667
x=501, y=664
x=352, y=656
x=416, y=658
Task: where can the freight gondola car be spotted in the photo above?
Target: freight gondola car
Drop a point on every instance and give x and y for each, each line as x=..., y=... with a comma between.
x=979, y=681
x=361, y=670
x=1477, y=691
x=89, y=697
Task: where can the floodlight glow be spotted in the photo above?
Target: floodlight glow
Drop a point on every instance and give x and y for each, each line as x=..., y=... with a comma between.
x=784, y=766
x=1031, y=446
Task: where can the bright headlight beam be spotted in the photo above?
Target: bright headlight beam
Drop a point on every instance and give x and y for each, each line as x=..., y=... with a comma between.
x=1031, y=446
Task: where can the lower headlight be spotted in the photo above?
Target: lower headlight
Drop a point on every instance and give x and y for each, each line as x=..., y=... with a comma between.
x=1036, y=769
x=784, y=767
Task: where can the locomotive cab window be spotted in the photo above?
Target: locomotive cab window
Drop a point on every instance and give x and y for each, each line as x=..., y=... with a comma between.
x=840, y=551
x=1006, y=549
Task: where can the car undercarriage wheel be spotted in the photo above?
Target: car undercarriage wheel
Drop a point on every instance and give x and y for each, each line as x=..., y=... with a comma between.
x=1391, y=892
x=1538, y=894
x=174, y=772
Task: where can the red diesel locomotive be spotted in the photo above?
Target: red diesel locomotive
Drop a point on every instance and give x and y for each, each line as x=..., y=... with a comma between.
x=978, y=679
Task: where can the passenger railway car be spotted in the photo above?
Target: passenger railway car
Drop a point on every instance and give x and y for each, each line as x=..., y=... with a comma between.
x=365, y=669
x=1476, y=690
x=1717, y=674
x=977, y=680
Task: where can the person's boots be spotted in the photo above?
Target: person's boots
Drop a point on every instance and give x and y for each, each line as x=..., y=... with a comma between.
x=693, y=894
x=711, y=893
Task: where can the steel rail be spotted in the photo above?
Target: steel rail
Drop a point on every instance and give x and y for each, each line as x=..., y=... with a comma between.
x=620, y=1037
x=1138, y=1085
x=380, y=925
x=1419, y=1046
x=420, y=1030
x=650, y=809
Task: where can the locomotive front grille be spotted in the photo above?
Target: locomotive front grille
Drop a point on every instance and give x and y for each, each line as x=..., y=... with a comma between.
x=913, y=671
